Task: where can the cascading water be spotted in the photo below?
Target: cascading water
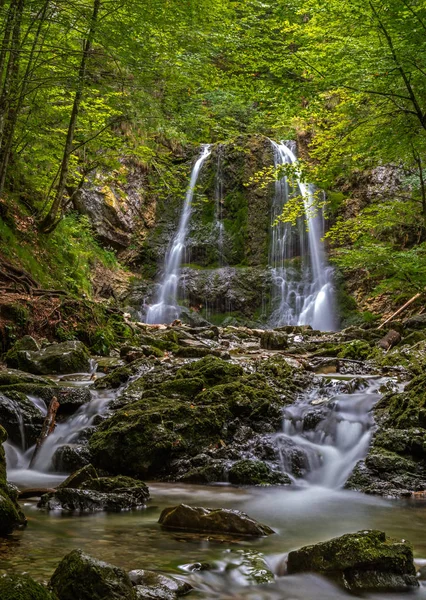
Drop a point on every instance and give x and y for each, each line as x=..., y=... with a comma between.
x=300, y=296
x=219, y=206
x=65, y=433
x=323, y=438
x=166, y=309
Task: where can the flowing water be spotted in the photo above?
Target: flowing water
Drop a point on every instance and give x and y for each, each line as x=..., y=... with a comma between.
x=323, y=436
x=165, y=308
x=219, y=207
x=302, y=294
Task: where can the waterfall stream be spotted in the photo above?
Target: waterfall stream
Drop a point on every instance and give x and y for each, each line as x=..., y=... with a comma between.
x=300, y=296
x=324, y=437
x=165, y=308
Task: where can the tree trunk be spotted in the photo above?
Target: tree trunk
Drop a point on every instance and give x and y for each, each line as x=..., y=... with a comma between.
x=15, y=107
x=51, y=219
x=48, y=426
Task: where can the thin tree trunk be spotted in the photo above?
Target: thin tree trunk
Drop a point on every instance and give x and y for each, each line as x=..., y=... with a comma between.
x=51, y=219
x=12, y=67
x=15, y=109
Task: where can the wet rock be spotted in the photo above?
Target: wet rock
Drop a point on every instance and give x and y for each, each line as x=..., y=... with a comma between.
x=256, y=472
x=150, y=584
x=415, y=322
x=76, y=479
x=70, y=399
x=252, y=566
x=70, y=458
x=11, y=516
x=84, y=500
x=206, y=520
x=170, y=414
x=274, y=340
x=21, y=418
x=10, y=377
x=82, y=577
x=367, y=560
x=22, y=587
x=214, y=471
x=106, y=364
x=67, y=357
x=119, y=485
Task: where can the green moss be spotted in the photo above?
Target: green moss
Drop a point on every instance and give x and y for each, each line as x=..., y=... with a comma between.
x=211, y=370
x=22, y=587
x=255, y=472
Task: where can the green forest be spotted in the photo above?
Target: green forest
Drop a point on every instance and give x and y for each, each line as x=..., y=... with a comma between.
x=212, y=299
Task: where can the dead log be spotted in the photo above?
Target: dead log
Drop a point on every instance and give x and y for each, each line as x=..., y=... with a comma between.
x=34, y=493
x=391, y=339
x=48, y=426
x=400, y=310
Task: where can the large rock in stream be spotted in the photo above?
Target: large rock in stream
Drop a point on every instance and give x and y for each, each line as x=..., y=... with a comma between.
x=175, y=420
x=82, y=577
x=11, y=516
x=208, y=520
x=367, y=560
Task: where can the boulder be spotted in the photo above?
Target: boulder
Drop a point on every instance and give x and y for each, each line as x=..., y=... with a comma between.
x=82, y=577
x=367, y=560
x=11, y=516
x=22, y=587
x=252, y=566
x=89, y=500
x=256, y=472
x=10, y=377
x=76, y=479
x=207, y=520
x=150, y=584
x=21, y=418
x=70, y=458
x=274, y=340
x=67, y=357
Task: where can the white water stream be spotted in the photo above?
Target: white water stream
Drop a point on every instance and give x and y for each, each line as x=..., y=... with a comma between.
x=165, y=308
x=302, y=294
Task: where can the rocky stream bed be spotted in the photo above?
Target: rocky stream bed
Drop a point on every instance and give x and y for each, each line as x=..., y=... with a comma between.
x=213, y=461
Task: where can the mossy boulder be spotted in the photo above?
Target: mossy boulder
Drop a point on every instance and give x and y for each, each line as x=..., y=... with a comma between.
x=67, y=357
x=274, y=340
x=169, y=414
x=152, y=585
x=21, y=418
x=76, y=479
x=22, y=587
x=256, y=472
x=207, y=520
x=88, y=500
x=11, y=516
x=10, y=377
x=367, y=560
x=82, y=577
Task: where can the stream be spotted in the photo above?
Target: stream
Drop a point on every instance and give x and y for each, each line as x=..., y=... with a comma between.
x=315, y=508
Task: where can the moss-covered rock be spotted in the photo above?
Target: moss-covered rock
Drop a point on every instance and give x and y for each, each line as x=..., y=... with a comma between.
x=76, y=479
x=256, y=472
x=89, y=500
x=67, y=357
x=367, y=560
x=274, y=340
x=252, y=566
x=171, y=414
x=206, y=520
x=152, y=585
x=22, y=587
x=11, y=516
x=21, y=418
x=82, y=577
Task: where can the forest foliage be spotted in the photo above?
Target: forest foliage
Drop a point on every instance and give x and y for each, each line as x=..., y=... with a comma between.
x=84, y=83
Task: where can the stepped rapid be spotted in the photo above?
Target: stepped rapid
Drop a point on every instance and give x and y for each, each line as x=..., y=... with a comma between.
x=165, y=308
x=301, y=295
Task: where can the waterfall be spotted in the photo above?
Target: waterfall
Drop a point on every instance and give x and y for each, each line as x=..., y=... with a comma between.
x=165, y=309
x=219, y=206
x=301, y=295
x=323, y=438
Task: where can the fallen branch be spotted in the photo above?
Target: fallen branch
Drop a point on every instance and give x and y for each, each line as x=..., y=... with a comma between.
x=400, y=310
x=34, y=493
x=48, y=426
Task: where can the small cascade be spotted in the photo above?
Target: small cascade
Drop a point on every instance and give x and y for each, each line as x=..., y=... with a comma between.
x=66, y=432
x=323, y=438
x=166, y=309
x=302, y=294
x=219, y=207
